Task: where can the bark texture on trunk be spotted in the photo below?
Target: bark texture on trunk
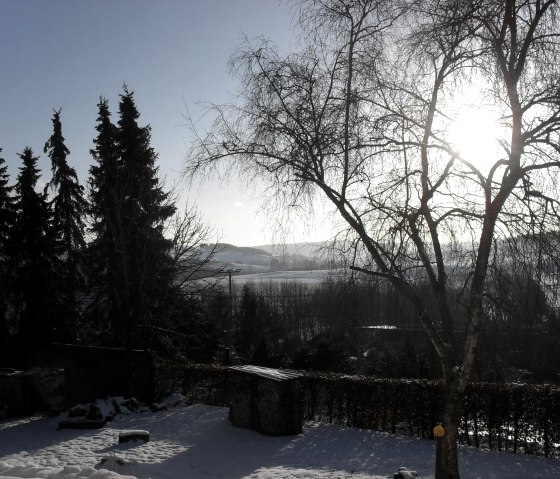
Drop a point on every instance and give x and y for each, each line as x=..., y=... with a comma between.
x=452, y=417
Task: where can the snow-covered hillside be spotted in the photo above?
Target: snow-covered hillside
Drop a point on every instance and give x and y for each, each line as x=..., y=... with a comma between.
x=246, y=260
x=268, y=258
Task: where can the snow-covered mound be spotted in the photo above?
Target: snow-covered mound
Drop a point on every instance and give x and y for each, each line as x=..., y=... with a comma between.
x=99, y=412
x=173, y=400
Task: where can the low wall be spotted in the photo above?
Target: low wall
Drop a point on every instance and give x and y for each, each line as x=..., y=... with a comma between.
x=26, y=392
x=96, y=372
x=18, y=395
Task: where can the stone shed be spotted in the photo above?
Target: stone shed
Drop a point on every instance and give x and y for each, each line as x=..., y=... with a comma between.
x=266, y=400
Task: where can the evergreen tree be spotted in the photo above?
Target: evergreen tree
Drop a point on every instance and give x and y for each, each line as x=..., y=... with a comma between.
x=249, y=331
x=69, y=207
x=104, y=208
x=6, y=222
x=6, y=207
x=103, y=175
x=31, y=258
x=145, y=209
x=129, y=210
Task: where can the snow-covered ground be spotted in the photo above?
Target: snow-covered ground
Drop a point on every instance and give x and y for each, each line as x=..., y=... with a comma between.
x=198, y=442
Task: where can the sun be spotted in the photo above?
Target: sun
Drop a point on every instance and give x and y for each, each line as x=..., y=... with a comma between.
x=474, y=135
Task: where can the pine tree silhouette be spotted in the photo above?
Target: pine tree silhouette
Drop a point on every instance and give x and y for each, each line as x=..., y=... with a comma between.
x=130, y=208
x=6, y=224
x=31, y=258
x=69, y=208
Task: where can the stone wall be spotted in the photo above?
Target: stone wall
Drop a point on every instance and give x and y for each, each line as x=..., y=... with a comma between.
x=95, y=372
x=26, y=392
x=18, y=395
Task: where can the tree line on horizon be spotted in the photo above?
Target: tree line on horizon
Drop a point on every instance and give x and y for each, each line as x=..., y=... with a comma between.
x=104, y=264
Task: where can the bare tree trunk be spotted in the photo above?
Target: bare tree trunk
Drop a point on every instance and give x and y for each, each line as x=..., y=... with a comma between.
x=452, y=418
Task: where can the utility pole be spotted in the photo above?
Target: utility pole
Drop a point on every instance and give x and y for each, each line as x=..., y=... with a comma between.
x=229, y=272
x=229, y=330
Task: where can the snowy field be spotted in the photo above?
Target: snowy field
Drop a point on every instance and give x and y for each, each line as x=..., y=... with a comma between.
x=313, y=277
x=198, y=442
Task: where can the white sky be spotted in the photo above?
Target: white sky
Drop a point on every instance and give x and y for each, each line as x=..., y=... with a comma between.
x=172, y=53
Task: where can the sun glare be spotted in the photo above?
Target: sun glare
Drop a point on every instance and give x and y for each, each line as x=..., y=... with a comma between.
x=474, y=136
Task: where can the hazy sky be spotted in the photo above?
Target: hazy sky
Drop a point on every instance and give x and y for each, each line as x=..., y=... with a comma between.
x=172, y=53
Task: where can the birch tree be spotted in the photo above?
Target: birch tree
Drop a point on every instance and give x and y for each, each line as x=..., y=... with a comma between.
x=369, y=116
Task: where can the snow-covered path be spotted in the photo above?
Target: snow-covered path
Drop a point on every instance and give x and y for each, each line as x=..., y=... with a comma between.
x=198, y=442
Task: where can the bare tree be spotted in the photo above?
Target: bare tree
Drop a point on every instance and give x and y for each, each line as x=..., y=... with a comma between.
x=193, y=250
x=362, y=116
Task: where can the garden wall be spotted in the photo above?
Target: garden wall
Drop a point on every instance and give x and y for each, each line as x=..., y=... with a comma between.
x=96, y=372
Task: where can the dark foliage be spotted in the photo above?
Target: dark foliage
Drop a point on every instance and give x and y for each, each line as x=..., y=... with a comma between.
x=6, y=222
x=129, y=210
x=327, y=352
x=358, y=326
x=132, y=284
x=102, y=251
x=69, y=208
x=32, y=260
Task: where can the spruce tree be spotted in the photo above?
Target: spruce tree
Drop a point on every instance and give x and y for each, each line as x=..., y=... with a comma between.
x=104, y=209
x=6, y=207
x=6, y=222
x=145, y=209
x=31, y=259
x=129, y=211
x=103, y=188
x=69, y=207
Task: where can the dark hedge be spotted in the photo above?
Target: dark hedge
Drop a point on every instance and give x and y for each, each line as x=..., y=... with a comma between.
x=519, y=418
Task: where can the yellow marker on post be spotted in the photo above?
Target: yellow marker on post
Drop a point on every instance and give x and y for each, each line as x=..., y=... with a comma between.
x=439, y=432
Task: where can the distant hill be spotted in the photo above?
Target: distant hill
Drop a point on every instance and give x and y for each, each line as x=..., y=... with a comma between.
x=268, y=258
x=306, y=249
x=247, y=260
x=257, y=250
